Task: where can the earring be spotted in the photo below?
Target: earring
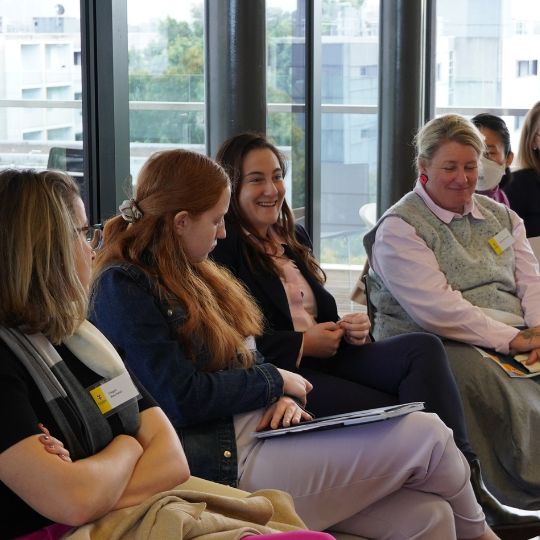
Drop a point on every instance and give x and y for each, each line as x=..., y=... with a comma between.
x=423, y=179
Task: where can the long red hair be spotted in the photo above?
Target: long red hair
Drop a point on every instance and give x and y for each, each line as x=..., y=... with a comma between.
x=220, y=312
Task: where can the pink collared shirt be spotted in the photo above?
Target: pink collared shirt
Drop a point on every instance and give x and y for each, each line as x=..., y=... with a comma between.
x=300, y=297
x=411, y=273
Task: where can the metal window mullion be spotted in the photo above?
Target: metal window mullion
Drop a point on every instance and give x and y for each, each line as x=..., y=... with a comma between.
x=104, y=39
x=313, y=65
x=401, y=94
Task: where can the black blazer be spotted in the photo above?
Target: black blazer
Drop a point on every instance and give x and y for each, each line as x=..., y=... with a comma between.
x=280, y=344
x=523, y=192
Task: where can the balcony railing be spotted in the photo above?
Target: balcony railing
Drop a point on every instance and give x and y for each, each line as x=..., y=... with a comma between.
x=272, y=107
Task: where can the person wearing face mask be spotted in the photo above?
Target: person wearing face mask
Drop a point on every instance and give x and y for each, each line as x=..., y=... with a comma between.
x=449, y=261
x=524, y=190
x=494, y=171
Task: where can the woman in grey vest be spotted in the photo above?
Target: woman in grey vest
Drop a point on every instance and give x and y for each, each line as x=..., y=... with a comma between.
x=458, y=264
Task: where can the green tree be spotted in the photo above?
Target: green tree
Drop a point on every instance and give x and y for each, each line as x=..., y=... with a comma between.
x=171, y=68
x=286, y=129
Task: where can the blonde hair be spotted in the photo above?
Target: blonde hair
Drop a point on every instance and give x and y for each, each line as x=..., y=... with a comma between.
x=41, y=291
x=220, y=312
x=527, y=157
x=450, y=127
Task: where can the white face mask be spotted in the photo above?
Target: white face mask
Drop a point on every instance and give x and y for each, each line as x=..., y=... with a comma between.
x=489, y=174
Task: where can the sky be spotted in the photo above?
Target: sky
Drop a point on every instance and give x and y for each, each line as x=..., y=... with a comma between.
x=138, y=10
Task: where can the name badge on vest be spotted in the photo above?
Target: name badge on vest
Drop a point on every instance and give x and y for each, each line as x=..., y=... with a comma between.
x=501, y=241
x=114, y=393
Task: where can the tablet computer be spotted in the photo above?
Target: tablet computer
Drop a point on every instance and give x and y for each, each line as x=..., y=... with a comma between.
x=347, y=419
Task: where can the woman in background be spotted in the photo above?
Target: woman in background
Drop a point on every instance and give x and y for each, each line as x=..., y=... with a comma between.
x=524, y=190
x=494, y=173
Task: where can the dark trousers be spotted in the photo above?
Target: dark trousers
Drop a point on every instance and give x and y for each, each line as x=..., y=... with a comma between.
x=409, y=367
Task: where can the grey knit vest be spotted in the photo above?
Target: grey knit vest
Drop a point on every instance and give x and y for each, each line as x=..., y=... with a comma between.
x=461, y=247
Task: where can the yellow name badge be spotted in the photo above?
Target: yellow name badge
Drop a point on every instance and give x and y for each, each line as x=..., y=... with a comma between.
x=501, y=241
x=114, y=393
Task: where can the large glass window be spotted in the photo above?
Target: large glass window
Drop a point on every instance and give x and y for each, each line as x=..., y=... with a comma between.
x=166, y=77
x=349, y=89
x=286, y=37
x=487, y=58
x=40, y=85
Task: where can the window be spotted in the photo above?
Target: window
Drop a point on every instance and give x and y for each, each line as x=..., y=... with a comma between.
x=59, y=92
x=349, y=90
x=37, y=48
x=59, y=134
x=527, y=67
x=350, y=67
x=523, y=68
x=32, y=135
x=32, y=93
x=484, y=43
x=166, y=77
x=285, y=42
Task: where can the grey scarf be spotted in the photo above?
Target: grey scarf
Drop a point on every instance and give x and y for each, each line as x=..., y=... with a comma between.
x=85, y=431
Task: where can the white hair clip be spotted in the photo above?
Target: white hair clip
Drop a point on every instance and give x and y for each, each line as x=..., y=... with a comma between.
x=130, y=211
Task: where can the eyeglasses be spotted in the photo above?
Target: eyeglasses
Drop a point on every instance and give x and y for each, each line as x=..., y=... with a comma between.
x=94, y=234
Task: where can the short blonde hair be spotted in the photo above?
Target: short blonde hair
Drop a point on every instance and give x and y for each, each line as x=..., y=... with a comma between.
x=450, y=127
x=41, y=291
x=527, y=157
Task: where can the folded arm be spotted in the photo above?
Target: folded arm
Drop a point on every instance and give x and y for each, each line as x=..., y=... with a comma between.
x=162, y=465
x=73, y=493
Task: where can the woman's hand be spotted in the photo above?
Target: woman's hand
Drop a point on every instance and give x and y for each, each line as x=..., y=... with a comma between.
x=295, y=385
x=283, y=413
x=527, y=340
x=322, y=340
x=356, y=327
x=53, y=445
x=534, y=356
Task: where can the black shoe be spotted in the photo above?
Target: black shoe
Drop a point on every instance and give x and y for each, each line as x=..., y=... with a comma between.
x=506, y=524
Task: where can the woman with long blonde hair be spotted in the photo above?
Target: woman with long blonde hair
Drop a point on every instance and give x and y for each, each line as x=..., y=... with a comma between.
x=186, y=326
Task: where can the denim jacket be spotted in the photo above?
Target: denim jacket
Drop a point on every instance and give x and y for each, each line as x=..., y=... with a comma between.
x=127, y=308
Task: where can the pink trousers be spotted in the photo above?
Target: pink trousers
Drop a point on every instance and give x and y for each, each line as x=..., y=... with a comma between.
x=400, y=478
x=296, y=535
